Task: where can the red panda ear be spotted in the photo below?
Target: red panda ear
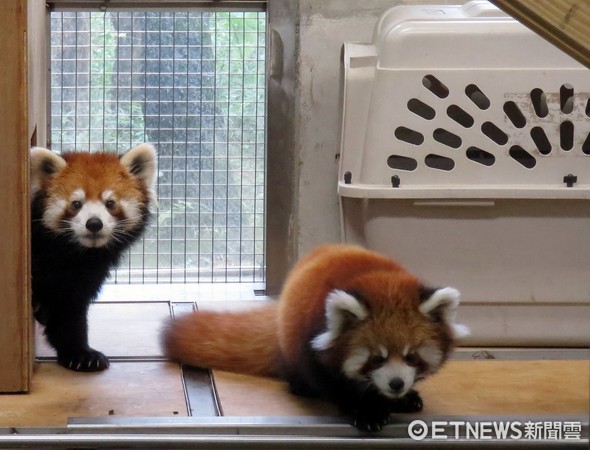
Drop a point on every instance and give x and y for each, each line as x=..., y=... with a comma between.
x=141, y=162
x=342, y=311
x=44, y=165
x=441, y=306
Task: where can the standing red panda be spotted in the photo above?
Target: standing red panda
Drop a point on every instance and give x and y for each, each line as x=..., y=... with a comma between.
x=351, y=326
x=86, y=209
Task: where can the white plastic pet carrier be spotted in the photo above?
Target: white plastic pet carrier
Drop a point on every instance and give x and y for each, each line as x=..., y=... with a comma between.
x=466, y=157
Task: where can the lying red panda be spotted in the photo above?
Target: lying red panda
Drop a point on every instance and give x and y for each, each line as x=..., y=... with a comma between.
x=351, y=326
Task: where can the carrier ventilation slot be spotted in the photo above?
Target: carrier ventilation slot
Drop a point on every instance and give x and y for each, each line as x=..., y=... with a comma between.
x=460, y=116
x=528, y=113
x=477, y=97
x=521, y=156
x=480, y=156
x=439, y=162
x=422, y=109
x=539, y=101
x=434, y=85
x=408, y=135
x=513, y=112
x=541, y=140
x=402, y=162
x=566, y=99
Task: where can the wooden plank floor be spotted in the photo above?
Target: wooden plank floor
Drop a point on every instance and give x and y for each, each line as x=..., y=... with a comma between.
x=144, y=389
x=138, y=389
x=121, y=329
x=480, y=387
x=146, y=386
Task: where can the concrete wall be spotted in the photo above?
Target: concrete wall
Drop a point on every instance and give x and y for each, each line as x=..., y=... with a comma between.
x=324, y=26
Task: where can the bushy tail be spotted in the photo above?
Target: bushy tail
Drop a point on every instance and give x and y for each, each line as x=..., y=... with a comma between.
x=242, y=342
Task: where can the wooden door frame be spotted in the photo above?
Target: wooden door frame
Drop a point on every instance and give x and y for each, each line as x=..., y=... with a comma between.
x=22, y=22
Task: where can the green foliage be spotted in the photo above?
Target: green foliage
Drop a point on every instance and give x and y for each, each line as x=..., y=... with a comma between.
x=117, y=75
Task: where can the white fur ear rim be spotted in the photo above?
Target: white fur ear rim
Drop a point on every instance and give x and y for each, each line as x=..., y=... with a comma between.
x=40, y=169
x=147, y=167
x=449, y=298
x=460, y=331
x=338, y=305
x=39, y=154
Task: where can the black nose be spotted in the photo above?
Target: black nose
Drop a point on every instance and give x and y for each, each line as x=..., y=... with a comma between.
x=94, y=224
x=397, y=384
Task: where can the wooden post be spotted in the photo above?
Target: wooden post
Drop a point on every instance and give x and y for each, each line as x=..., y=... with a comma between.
x=564, y=23
x=16, y=354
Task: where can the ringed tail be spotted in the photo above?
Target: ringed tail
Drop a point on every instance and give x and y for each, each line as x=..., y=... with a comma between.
x=242, y=342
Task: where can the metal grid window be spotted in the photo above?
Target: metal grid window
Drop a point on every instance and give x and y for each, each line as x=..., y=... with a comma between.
x=193, y=84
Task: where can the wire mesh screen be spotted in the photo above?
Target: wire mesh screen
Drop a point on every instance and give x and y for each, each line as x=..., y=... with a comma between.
x=193, y=84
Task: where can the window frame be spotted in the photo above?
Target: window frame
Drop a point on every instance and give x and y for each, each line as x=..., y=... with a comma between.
x=280, y=173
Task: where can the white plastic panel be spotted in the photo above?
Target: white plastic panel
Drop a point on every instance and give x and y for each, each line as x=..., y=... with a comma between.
x=507, y=251
x=465, y=156
x=463, y=106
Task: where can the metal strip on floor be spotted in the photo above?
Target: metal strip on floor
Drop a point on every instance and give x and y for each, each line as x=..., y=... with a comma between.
x=320, y=433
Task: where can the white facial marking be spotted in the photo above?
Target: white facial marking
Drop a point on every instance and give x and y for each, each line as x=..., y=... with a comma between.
x=53, y=214
x=383, y=352
x=355, y=362
x=131, y=211
x=393, y=369
x=432, y=356
x=56, y=208
x=90, y=210
x=107, y=195
x=79, y=195
x=339, y=306
x=129, y=206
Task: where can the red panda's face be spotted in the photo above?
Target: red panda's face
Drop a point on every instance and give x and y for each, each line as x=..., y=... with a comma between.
x=93, y=198
x=388, y=338
x=391, y=354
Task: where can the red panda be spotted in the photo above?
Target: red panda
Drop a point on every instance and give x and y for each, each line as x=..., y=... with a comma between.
x=86, y=209
x=351, y=326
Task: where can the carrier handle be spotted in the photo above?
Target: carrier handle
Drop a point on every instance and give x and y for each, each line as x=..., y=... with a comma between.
x=471, y=203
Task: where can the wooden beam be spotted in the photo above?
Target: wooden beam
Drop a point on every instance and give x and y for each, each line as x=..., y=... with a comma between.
x=564, y=23
x=15, y=325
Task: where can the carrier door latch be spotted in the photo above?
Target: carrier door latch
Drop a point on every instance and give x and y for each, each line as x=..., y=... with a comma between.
x=570, y=180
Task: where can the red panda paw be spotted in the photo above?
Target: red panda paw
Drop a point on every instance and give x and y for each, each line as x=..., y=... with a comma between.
x=83, y=360
x=371, y=420
x=372, y=413
x=408, y=404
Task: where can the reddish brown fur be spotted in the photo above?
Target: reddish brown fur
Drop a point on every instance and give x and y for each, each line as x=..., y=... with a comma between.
x=93, y=172
x=396, y=327
x=302, y=303
x=238, y=342
x=86, y=210
x=252, y=341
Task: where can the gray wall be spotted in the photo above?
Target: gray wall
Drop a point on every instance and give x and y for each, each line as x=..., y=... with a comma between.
x=309, y=144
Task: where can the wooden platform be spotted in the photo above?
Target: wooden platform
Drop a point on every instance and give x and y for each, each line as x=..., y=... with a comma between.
x=481, y=387
x=154, y=389
x=137, y=389
x=140, y=384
